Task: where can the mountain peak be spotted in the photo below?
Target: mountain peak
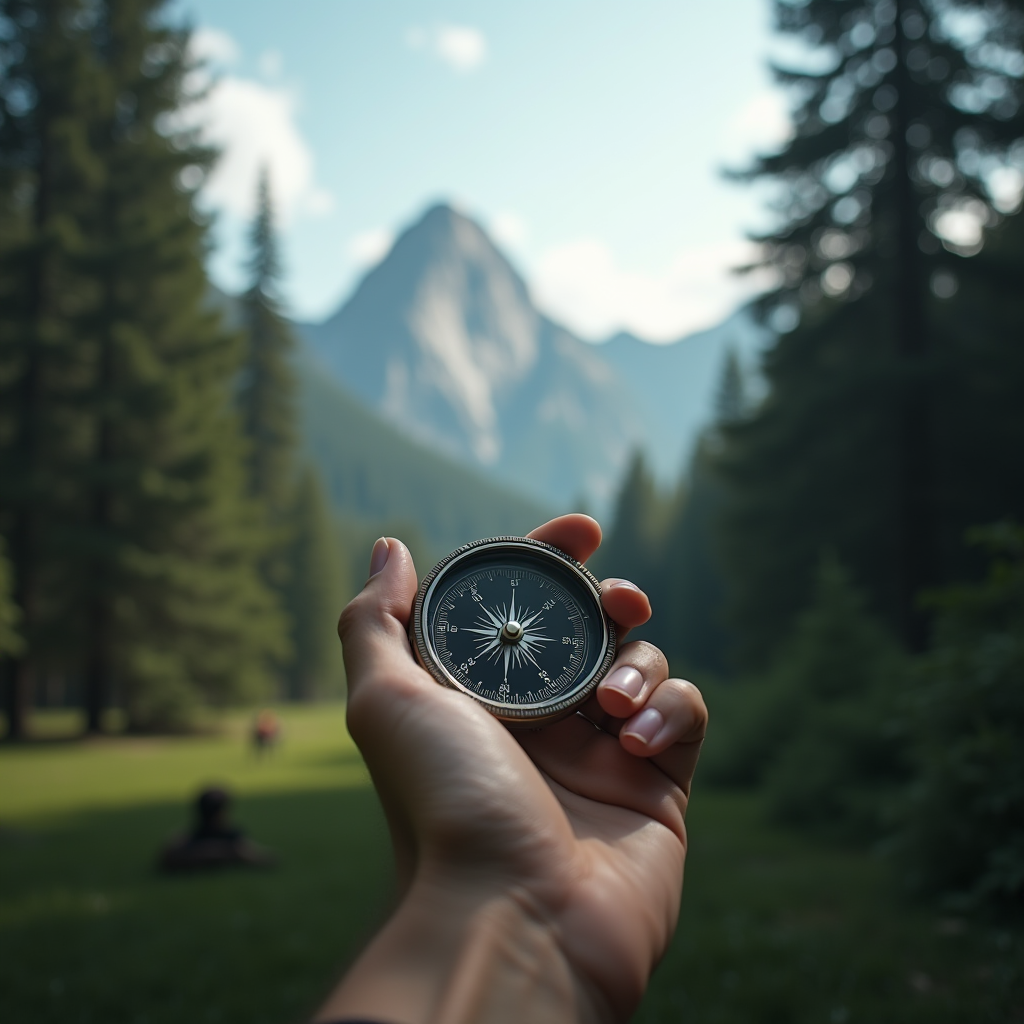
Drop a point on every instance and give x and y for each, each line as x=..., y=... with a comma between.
x=443, y=339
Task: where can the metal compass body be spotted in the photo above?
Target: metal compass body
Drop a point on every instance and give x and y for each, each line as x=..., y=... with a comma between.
x=517, y=625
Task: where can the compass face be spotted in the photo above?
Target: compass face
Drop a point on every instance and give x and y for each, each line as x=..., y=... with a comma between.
x=516, y=624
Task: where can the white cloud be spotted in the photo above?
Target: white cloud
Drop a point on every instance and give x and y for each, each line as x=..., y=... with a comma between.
x=508, y=229
x=461, y=47
x=581, y=284
x=368, y=248
x=254, y=126
x=213, y=46
x=761, y=125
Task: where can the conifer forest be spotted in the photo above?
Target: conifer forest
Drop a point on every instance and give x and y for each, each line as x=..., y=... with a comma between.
x=839, y=566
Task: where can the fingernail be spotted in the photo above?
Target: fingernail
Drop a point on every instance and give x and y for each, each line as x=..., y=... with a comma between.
x=626, y=680
x=624, y=585
x=645, y=726
x=379, y=556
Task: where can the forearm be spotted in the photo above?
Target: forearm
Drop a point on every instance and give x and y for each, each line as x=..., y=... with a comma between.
x=465, y=955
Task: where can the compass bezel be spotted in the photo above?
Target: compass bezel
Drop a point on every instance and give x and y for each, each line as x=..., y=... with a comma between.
x=510, y=714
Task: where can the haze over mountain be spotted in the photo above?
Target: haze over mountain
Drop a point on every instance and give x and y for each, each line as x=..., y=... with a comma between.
x=443, y=340
x=675, y=385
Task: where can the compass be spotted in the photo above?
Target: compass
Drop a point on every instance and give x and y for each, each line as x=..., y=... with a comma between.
x=517, y=625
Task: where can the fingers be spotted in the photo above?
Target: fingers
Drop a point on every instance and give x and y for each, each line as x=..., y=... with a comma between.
x=638, y=669
x=625, y=603
x=669, y=730
x=576, y=534
x=373, y=625
x=654, y=716
x=674, y=713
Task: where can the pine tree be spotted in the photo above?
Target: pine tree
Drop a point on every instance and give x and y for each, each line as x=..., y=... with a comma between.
x=968, y=725
x=49, y=96
x=176, y=612
x=837, y=709
x=267, y=392
x=318, y=585
x=694, y=626
x=637, y=520
x=904, y=126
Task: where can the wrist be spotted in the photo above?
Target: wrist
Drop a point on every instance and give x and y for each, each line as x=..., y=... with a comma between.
x=466, y=951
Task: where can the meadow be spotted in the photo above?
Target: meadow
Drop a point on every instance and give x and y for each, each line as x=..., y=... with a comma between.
x=773, y=928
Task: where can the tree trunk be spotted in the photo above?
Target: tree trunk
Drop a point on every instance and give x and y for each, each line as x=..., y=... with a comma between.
x=24, y=553
x=916, y=523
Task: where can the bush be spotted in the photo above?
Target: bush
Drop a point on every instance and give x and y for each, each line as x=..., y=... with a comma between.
x=821, y=731
x=964, y=837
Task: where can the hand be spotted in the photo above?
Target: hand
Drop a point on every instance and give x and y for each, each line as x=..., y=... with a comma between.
x=551, y=861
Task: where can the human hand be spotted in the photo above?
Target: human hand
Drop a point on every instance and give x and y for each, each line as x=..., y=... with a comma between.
x=551, y=860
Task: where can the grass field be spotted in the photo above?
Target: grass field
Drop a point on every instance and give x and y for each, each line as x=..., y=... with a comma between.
x=773, y=929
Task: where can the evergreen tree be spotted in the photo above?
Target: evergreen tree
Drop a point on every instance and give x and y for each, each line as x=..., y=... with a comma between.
x=267, y=392
x=49, y=95
x=903, y=127
x=694, y=626
x=319, y=584
x=968, y=724
x=731, y=403
x=123, y=488
x=632, y=549
x=177, y=614
x=839, y=750
x=822, y=728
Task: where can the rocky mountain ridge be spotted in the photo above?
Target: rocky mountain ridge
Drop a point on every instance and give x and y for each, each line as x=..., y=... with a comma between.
x=442, y=339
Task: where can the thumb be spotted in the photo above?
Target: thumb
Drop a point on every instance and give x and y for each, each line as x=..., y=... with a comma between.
x=373, y=625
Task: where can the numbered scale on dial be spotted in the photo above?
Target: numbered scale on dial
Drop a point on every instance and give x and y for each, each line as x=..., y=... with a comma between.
x=517, y=625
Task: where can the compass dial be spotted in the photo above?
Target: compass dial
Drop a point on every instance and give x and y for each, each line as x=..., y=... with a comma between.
x=516, y=624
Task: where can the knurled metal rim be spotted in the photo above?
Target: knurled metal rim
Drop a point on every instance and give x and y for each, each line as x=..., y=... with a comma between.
x=511, y=715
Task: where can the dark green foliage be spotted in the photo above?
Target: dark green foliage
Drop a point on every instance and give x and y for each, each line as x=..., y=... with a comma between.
x=143, y=554
x=822, y=730
x=631, y=547
x=267, y=391
x=965, y=834
x=880, y=388
x=694, y=626
x=979, y=380
x=187, y=619
x=319, y=584
x=49, y=95
x=10, y=638
x=634, y=548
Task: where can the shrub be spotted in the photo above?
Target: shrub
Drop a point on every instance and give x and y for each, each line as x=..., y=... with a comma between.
x=964, y=836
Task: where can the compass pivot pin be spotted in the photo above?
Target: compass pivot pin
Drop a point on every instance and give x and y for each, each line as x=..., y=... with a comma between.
x=512, y=631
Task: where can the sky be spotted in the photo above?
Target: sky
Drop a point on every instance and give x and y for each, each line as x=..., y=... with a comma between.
x=587, y=138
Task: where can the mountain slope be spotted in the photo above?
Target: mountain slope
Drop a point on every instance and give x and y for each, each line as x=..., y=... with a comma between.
x=675, y=385
x=373, y=473
x=443, y=340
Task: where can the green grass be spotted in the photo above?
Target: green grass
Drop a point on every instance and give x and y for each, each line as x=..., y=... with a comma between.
x=773, y=928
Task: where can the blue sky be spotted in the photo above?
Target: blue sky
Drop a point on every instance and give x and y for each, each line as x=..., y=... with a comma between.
x=587, y=137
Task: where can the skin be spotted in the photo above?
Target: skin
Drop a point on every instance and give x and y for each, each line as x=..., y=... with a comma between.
x=539, y=872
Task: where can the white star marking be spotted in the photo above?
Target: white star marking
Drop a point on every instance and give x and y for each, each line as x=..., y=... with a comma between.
x=488, y=626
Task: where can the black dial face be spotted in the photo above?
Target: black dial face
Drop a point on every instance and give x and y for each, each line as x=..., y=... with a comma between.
x=518, y=626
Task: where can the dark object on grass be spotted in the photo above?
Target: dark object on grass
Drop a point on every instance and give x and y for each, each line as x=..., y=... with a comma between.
x=266, y=732
x=214, y=842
